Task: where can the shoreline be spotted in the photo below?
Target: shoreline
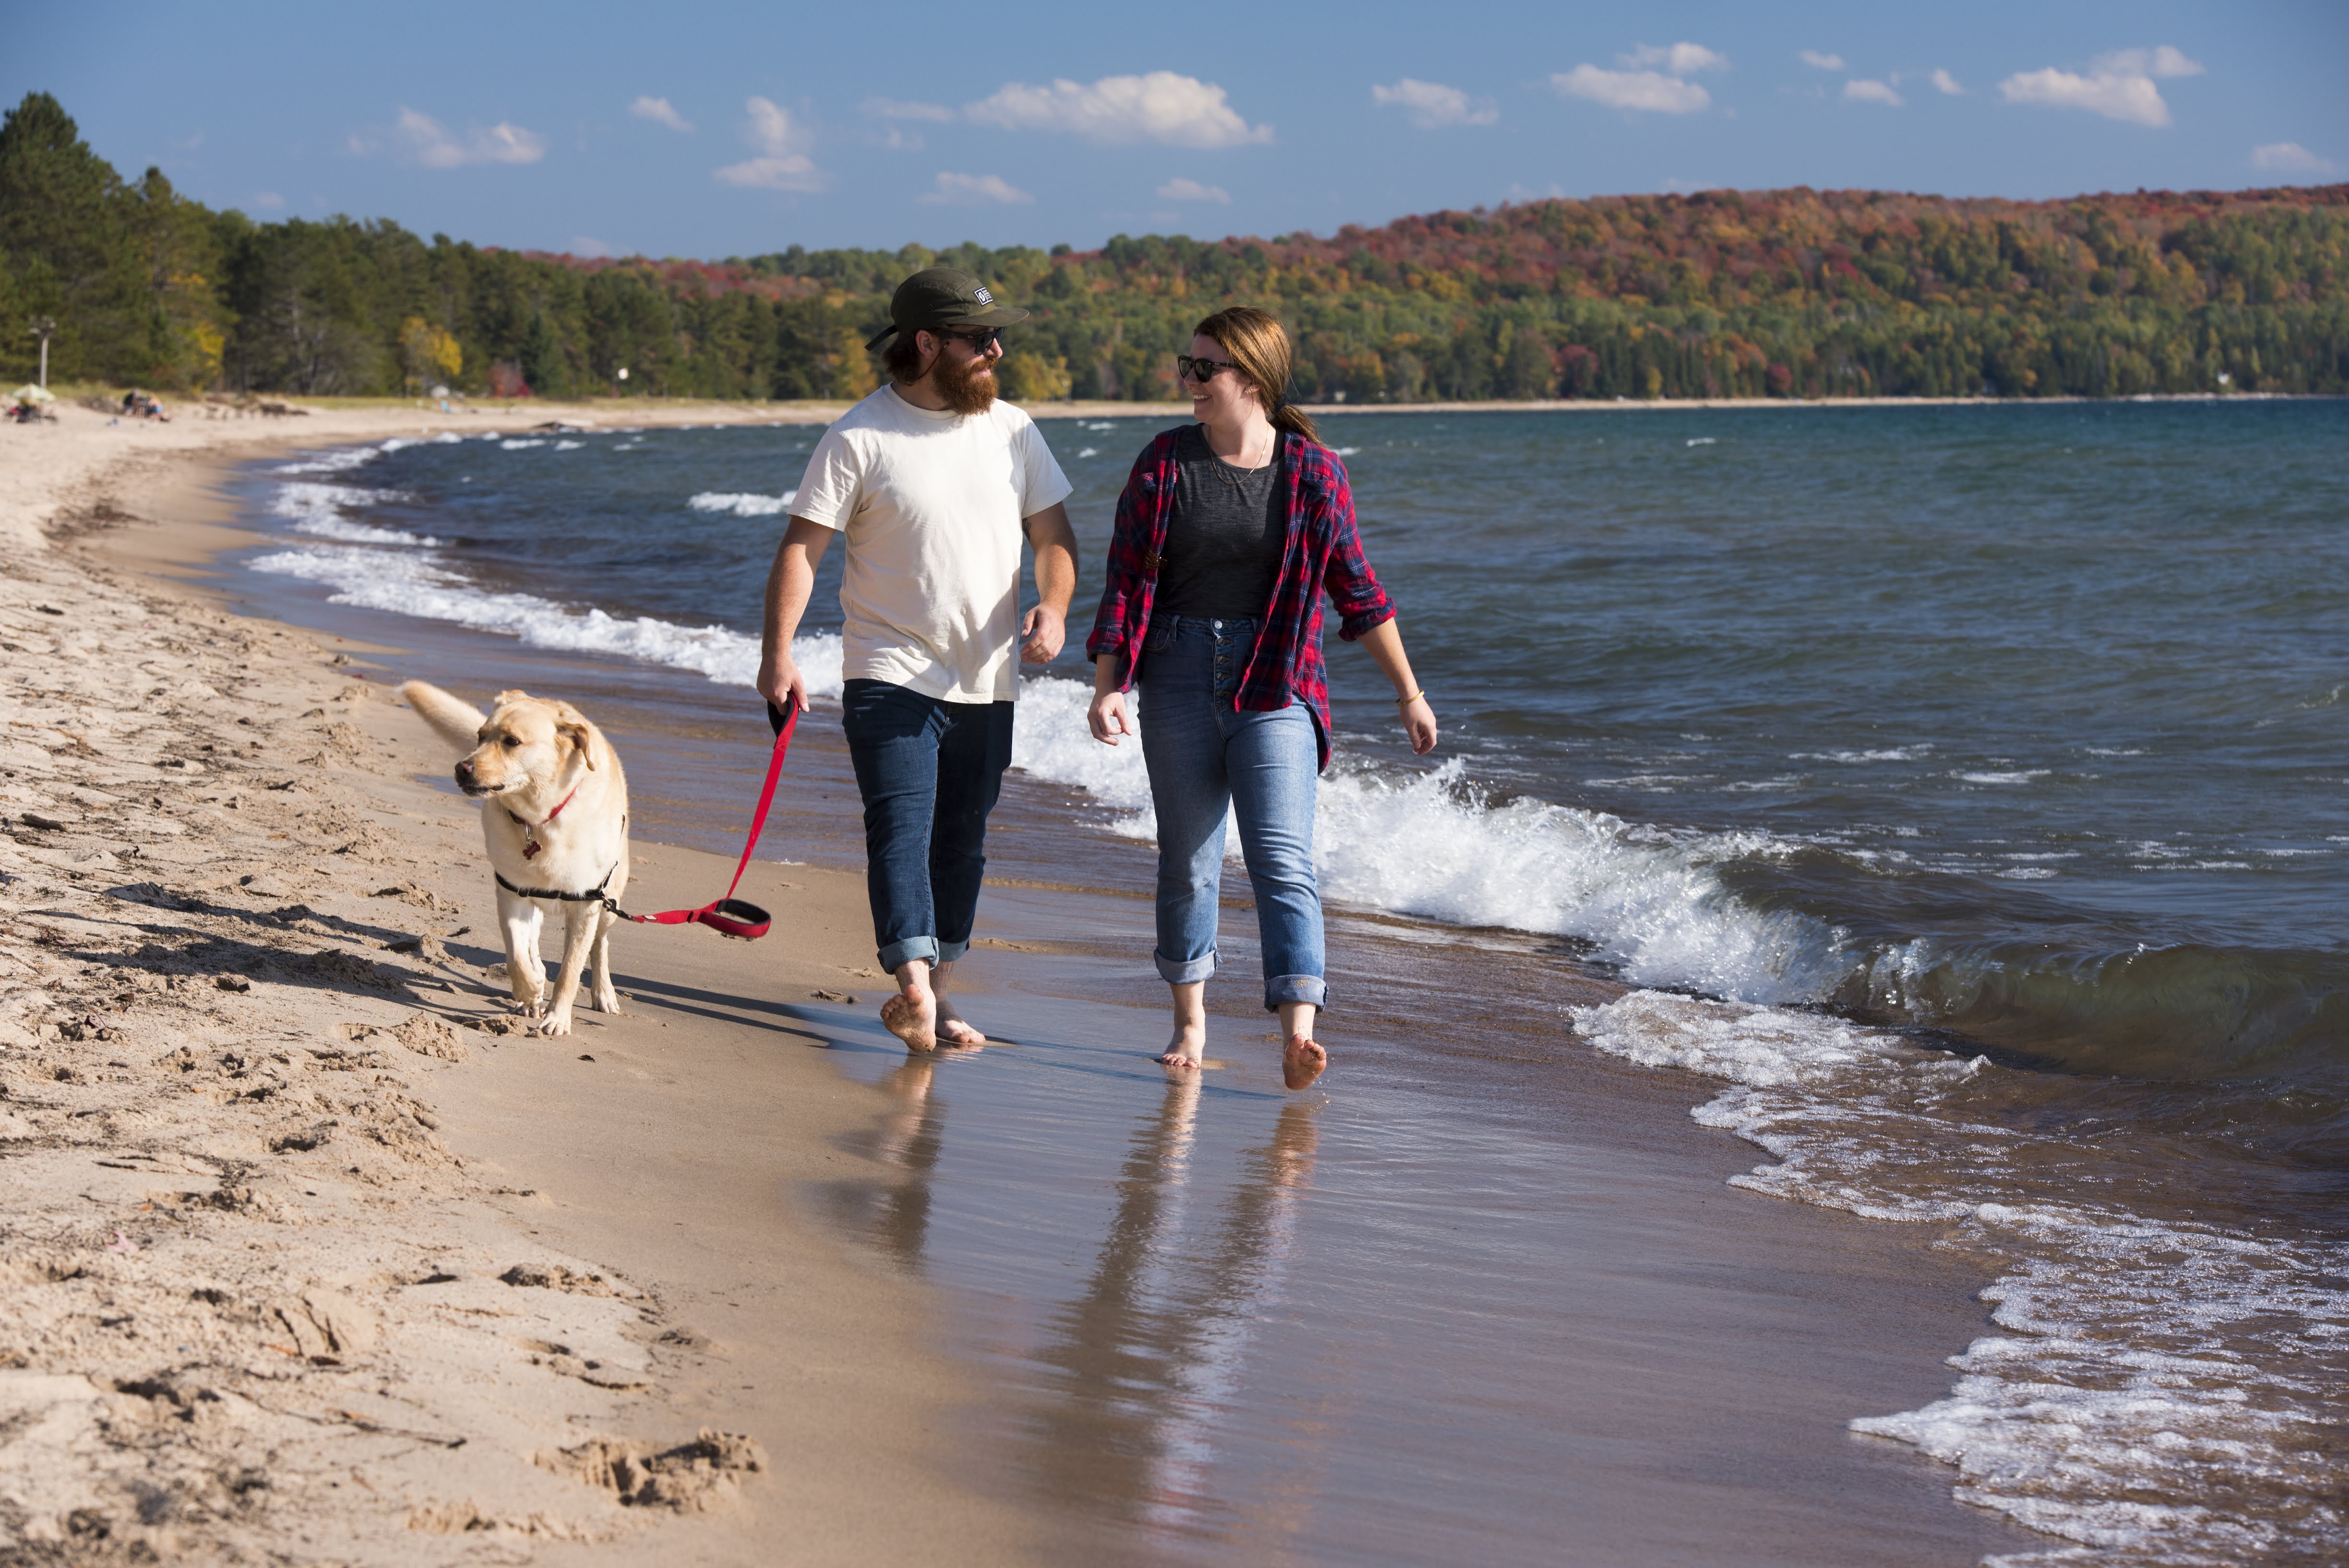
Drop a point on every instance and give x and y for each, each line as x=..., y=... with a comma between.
x=659, y=1229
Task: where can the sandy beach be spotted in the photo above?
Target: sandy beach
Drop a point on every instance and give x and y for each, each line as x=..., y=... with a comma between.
x=306, y=1257
x=257, y=1306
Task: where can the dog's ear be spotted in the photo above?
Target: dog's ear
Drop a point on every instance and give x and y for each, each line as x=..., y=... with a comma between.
x=575, y=730
x=504, y=697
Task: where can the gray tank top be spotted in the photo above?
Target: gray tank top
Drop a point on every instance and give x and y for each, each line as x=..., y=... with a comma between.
x=1224, y=537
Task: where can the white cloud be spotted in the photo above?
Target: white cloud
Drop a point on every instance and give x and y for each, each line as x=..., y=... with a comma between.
x=2289, y=158
x=2164, y=61
x=1824, y=62
x=1181, y=190
x=2118, y=86
x=1864, y=91
x=428, y=142
x=1678, y=59
x=659, y=111
x=1648, y=90
x=975, y=191
x=894, y=109
x=780, y=165
x=588, y=245
x=1946, y=82
x=1431, y=104
x=1162, y=106
x=268, y=200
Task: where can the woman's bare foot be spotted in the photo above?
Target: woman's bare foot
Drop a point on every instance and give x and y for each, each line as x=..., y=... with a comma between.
x=955, y=1031
x=911, y=1015
x=1185, y=1051
x=1302, y=1061
x=1188, y=1046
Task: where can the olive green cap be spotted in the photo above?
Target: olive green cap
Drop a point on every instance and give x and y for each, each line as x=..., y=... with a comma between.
x=944, y=296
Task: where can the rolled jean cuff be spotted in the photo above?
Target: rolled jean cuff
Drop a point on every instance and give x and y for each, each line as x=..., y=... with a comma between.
x=950, y=951
x=1307, y=988
x=923, y=947
x=1185, y=971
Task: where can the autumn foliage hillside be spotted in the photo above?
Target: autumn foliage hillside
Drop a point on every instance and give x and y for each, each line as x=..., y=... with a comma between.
x=1721, y=294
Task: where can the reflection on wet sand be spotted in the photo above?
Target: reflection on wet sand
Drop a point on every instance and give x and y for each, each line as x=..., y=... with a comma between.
x=895, y=1215
x=1146, y=1364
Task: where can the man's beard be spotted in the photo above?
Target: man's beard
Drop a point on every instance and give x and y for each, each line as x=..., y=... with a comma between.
x=968, y=386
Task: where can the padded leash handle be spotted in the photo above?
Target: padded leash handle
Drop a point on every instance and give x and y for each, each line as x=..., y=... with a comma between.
x=729, y=915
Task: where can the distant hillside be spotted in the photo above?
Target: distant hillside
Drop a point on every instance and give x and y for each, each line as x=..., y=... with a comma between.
x=1721, y=294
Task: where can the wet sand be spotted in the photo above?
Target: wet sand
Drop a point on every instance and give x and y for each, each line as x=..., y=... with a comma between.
x=1480, y=1296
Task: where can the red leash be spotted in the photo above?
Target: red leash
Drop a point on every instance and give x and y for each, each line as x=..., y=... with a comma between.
x=732, y=916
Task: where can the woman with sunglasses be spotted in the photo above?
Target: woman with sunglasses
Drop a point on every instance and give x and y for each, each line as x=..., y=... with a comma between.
x=1228, y=534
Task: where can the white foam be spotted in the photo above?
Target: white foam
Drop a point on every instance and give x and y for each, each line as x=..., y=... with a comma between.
x=1090, y=453
x=1890, y=754
x=341, y=459
x=1701, y=440
x=2138, y=1359
x=2020, y=776
x=320, y=510
x=420, y=583
x=1345, y=451
x=1051, y=739
x=1427, y=845
x=519, y=445
x=742, y=503
x=568, y=446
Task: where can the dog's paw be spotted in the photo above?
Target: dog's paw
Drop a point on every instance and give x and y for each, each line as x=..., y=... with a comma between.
x=555, y=1024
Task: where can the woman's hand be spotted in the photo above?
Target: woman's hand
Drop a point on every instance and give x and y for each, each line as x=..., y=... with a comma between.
x=1107, y=718
x=1419, y=723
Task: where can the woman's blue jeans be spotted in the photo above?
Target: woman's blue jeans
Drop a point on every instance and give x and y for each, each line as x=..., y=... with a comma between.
x=1206, y=758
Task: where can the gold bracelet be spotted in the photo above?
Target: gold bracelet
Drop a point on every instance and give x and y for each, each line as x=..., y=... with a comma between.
x=1407, y=701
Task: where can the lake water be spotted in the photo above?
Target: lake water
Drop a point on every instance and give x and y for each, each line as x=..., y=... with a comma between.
x=1965, y=789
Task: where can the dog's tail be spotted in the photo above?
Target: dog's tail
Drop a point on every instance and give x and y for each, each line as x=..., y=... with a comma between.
x=450, y=719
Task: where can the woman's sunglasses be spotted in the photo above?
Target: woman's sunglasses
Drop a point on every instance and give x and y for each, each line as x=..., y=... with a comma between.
x=1201, y=369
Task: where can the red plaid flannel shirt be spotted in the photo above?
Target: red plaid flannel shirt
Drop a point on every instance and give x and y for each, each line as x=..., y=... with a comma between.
x=1324, y=552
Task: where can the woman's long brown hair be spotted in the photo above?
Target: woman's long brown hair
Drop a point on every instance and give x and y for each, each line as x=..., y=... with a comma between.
x=1260, y=346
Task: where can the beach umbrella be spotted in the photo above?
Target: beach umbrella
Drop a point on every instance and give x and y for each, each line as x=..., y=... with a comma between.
x=28, y=393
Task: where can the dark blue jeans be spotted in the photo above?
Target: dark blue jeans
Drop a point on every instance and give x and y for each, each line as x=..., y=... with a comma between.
x=929, y=772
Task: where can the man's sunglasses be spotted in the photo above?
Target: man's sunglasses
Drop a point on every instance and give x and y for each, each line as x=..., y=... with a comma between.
x=1201, y=369
x=980, y=342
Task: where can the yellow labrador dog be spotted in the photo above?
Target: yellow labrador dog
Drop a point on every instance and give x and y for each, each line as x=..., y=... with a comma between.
x=554, y=813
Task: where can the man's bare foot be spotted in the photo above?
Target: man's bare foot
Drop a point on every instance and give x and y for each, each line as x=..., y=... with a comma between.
x=1301, y=1061
x=913, y=1018
x=955, y=1031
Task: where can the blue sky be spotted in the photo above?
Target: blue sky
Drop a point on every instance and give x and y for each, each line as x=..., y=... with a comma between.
x=725, y=130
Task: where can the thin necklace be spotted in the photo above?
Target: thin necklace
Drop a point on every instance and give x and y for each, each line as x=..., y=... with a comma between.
x=1237, y=473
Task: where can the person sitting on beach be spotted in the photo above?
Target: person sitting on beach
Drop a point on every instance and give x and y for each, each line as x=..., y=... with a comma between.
x=934, y=483
x=1227, y=535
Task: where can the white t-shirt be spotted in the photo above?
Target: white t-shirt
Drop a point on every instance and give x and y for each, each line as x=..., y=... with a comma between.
x=930, y=504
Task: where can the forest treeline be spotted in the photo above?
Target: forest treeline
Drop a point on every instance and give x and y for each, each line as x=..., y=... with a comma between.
x=1718, y=294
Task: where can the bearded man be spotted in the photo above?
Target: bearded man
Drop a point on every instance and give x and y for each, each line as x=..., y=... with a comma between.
x=934, y=484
